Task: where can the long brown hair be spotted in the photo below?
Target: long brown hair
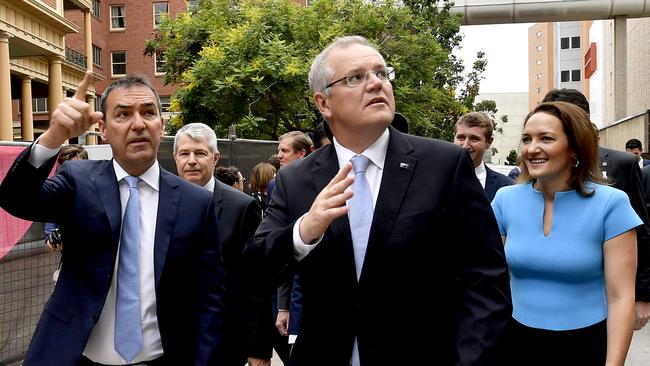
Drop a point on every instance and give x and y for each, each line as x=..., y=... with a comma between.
x=583, y=142
x=261, y=174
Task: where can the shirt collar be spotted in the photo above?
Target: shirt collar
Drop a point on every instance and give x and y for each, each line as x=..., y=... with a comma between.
x=480, y=169
x=376, y=152
x=210, y=185
x=151, y=176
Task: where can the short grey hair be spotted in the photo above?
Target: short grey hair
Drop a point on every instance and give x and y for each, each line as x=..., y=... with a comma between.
x=321, y=73
x=197, y=132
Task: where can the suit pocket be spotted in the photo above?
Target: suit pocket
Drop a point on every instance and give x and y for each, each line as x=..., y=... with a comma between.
x=59, y=309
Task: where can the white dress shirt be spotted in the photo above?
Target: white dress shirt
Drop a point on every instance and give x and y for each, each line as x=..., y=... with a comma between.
x=101, y=344
x=481, y=174
x=210, y=185
x=376, y=152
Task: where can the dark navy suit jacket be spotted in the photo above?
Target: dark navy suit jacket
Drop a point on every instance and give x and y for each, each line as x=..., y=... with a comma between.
x=84, y=199
x=494, y=181
x=433, y=231
x=248, y=331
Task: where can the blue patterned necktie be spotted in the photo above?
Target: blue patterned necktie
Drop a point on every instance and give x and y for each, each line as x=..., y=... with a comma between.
x=128, y=330
x=360, y=215
x=360, y=210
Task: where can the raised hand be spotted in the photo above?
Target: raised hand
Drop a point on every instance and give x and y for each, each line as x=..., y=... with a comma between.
x=71, y=118
x=328, y=205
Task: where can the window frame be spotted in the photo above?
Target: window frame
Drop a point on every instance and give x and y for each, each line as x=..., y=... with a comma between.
x=156, y=16
x=565, y=43
x=579, y=42
x=564, y=73
x=155, y=64
x=97, y=55
x=573, y=73
x=97, y=8
x=122, y=17
x=113, y=64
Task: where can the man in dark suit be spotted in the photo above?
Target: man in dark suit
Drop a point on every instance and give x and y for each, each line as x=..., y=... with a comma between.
x=429, y=227
x=474, y=132
x=634, y=146
x=121, y=216
x=248, y=336
x=622, y=171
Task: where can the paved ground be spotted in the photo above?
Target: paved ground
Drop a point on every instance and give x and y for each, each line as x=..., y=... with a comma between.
x=639, y=354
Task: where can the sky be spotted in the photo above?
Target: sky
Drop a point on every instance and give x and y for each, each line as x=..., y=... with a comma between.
x=506, y=48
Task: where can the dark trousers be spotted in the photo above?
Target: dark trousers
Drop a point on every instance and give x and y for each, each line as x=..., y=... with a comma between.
x=578, y=347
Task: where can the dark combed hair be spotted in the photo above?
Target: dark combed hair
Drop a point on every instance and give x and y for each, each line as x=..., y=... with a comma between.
x=69, y=152
x=572, y=96
x=125, y=83
x=227, y=175
x=634, y=144
x=583, y=142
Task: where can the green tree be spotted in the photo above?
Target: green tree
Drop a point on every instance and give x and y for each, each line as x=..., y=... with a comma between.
x=512, y=157
x=245, y=63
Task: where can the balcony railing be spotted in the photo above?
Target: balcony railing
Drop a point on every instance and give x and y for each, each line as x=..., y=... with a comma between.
x=75, y=57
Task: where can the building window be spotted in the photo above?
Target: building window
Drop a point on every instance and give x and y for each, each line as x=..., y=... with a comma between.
x=539, y=48
x=118, y=63
x=118, y=19
x=164, y=102
x=575, y=75
x=564, y=43
x=39, y=105
x=575, y=42
x=538, y=34
x=159, y=62
x=539, y=76
x=564, y=76
x=97, y=8
x=98, y=102
x=159, y=9
x=97, y=56
x=539, y=61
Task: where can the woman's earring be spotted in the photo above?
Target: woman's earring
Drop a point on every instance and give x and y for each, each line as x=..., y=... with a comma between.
x=577, y=164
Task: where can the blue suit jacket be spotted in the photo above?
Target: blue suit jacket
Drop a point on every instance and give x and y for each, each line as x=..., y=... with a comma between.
x=494, y=181
x=84, y=200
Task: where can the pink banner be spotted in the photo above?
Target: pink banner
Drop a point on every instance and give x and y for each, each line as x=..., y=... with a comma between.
x=12, y=229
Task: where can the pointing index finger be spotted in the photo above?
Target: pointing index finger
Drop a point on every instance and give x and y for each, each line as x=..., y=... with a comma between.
x=80, y=94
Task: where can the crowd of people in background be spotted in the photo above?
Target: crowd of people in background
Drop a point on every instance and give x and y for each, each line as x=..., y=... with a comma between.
x=326, y=258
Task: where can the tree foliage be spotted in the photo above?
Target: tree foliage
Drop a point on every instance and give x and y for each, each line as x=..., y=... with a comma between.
x=245, y=63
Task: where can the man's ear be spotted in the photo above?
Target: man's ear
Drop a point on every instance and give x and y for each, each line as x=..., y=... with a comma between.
x=489, y=141
x=322, y=102
x=102, y=129
x=217, y=156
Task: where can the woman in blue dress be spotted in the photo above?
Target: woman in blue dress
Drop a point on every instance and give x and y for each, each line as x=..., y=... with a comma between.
x=570, y=245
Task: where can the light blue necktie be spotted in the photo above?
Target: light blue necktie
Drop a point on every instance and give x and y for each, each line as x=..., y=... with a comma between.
x=128, y=329
x=360, y=215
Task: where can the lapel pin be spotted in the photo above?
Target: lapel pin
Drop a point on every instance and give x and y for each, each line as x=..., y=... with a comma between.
x=604, y=163
x=403, y=165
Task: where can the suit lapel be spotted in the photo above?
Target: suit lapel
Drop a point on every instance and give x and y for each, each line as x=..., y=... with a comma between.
x=109, y=194
x=217, y=195
x=398, y=170
x=168, y=200
x=324, y=169
x=490, y=182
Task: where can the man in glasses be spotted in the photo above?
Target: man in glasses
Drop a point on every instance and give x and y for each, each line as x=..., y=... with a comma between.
x=375, y=220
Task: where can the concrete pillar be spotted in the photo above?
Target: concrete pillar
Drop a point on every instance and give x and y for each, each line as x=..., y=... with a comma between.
x=88, y=40
x=6, y=123
x=27, y=123
x=620, y=67
x=55, y=87
x=91, y=139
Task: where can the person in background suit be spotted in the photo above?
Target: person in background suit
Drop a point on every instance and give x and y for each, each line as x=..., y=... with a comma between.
x=634, y=146
x=621, y=170
x=169, y=264
x=474, y=132
x=352, y=277
x=247, y=337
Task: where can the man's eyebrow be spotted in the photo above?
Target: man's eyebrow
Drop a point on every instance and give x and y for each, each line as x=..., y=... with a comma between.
x=126, y=106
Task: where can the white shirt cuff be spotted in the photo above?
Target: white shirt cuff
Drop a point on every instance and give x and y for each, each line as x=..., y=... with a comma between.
x=40, y=154
x=300, y=249
x=292, y=338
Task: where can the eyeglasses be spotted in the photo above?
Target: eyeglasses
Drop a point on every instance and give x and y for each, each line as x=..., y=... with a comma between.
x=358, y=79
